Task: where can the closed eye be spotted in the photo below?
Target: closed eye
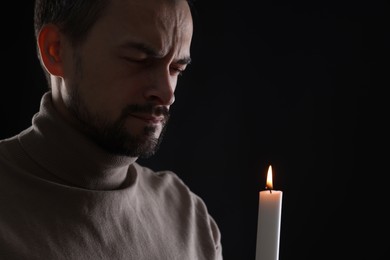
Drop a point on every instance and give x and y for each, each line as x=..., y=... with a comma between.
x=177, y=71
x=180, y=66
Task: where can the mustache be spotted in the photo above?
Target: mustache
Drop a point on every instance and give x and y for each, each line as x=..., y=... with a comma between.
x=147, y=109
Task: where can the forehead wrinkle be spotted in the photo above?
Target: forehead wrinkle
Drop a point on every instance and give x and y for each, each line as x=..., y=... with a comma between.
x=172, y=22
x=182, y=33
x=165, y=23
x=166, y=32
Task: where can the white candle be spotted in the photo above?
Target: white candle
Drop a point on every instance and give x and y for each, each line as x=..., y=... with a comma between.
x=268, y=225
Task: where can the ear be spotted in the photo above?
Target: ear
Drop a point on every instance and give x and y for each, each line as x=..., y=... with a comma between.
x=49, y=44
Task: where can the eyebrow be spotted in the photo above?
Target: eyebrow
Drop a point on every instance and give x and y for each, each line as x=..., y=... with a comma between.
x=151, y=52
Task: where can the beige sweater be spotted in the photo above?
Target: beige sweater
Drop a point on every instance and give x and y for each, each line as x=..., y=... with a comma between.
x=58, y=201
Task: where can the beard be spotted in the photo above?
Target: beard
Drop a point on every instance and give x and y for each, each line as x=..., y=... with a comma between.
x=112, y=136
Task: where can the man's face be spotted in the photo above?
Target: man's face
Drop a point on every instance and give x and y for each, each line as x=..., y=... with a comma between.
x=120, y=82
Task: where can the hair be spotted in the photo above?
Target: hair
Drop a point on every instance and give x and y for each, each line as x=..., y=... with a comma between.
x=73, y=17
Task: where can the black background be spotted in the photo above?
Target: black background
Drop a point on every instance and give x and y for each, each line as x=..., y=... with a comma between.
x=298, y=85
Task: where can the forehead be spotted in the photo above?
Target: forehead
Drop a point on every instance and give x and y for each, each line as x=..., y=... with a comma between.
x=163, y=24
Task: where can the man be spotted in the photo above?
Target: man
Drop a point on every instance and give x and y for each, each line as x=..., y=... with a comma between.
x=70, y=186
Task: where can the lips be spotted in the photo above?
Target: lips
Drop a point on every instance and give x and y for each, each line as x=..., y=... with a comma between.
x=148, y=113
x=150, y=119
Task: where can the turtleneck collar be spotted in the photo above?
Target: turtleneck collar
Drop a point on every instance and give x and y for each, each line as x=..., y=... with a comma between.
x=69, y=155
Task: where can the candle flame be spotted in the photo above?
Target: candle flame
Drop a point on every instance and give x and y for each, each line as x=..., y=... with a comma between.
x=269, y=185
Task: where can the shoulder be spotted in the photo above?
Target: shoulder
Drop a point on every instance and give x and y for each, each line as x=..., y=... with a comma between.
x=176, y=199
x=168, y=187
x=163, y=181
x=8, y=148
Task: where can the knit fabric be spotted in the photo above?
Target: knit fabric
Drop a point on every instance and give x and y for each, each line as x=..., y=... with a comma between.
x=62, y=197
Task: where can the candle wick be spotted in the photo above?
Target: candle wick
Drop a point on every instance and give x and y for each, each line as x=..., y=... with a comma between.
x=270, y=190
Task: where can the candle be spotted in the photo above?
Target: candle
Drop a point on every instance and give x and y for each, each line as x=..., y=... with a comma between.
x=268, y=225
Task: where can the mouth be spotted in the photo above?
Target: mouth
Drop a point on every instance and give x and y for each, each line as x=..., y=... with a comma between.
x=150, y=114
x=149, y=119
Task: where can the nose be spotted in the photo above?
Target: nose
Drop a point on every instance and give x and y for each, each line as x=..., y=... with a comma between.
x=162, y=88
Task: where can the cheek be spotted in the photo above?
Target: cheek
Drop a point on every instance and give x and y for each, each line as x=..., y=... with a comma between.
x=98, y=98
x=100, y=85
x=108, y=98
x=111, y=85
